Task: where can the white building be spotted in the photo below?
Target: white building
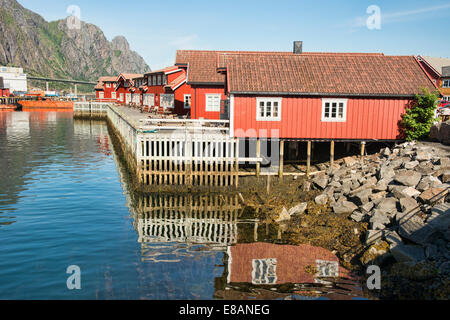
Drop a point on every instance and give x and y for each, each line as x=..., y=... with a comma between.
x=14, y=79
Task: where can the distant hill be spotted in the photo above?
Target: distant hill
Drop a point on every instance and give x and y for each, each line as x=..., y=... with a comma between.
x=50, y=49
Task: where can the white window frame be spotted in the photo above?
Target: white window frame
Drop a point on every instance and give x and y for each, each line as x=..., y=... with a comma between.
x=162, y=102
x=337, y=102
x=108, y=85
x=113, y=95
x=159, y=80
x=446, y=98
x=446, y=83
x=265, y=101
x=101, y=95
x=151, y=99
x=208, y=106
x=264, y=271
x=154, y=81
x=190, y=101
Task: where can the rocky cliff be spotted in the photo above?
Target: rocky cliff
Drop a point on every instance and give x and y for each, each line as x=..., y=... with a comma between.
x=50, y=49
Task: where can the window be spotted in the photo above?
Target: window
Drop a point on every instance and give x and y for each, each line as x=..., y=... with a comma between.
x=264, y=271
x=164, y=79
x=334, y=110
x=212, y=102
x=187, y=101
x=447, y=98
x=268, y=109
x=101, y=95
x=446, y=84
x=108, y=85
x=168, y=100
x=151, y=100
x=113, y=95
x=159, y=80
x=154, y=80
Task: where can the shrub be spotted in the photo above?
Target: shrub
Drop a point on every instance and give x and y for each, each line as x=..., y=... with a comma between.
x=419, y=117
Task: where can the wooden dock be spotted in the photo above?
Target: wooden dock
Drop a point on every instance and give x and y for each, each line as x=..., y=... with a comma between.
x=171, y=152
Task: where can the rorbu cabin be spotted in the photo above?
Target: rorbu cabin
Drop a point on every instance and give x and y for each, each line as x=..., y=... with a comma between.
x=106, y=89
x=124, y=86
x=438, y=69
x=320, y=97
x=167, y=91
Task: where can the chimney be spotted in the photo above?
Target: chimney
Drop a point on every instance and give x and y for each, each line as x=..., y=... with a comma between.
x=298, y=47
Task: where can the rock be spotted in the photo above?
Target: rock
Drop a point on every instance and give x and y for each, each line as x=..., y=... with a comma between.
x=382, y=185
x=411, y=165
x=408, y=178
x=414, y=229
x=423, y=156
x=393, y=238
x=378, y=196
x=322, y=199
x=306, y=187
x=374, y=235
x=434, y=195
x=380, y=217
x=284, y=216
x=387, y=205
x=357, y=216
x=408, y=203
x=386, y=152
x=397, y=191
x=410, y=192
x=321, y=182
x=362, y=197
x=408, y=253
x=386, y=173
x=298, y=209
x=367, y=207
x=444, y=162
x=446, y=177
x=346, y=187
x=376, y=254
x=428, y=182
x=440, y=217
x=342, y=207
x=350, y=161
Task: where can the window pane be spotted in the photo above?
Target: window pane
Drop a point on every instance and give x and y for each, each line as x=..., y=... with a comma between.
x=341, y=110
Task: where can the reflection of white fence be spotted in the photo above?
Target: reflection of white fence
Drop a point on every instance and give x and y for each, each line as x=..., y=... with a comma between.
x=93, y=108
x=189, y=219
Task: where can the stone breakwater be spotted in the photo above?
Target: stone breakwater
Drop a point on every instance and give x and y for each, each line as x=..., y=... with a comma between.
x=402, y=194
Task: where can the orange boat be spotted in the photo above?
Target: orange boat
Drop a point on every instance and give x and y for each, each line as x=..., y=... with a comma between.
x=8, y=107
x=46, y=104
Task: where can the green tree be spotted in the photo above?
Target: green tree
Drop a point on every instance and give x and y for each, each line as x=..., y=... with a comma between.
x=419, y=117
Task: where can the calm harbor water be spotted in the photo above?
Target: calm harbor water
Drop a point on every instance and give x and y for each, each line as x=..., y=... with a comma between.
x=64, y=201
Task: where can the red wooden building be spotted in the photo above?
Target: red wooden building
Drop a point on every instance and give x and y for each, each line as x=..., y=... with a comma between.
x=321, y=96
x=167, y=90
x=438, y=69
x=106, y=89
x=124, y=85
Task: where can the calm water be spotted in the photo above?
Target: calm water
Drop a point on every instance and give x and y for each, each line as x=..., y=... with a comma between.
x=64, y=201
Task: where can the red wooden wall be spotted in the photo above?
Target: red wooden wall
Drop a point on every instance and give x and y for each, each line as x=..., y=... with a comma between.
x=301, y=118
x=199, y=101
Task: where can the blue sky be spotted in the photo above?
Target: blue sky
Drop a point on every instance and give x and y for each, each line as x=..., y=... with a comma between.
x=156, y=29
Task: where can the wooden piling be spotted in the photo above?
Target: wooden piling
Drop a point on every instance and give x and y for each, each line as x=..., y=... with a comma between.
x=363, y=151
x=281, y=159
x=258, y=155
x=308, y=159
x=331, y=153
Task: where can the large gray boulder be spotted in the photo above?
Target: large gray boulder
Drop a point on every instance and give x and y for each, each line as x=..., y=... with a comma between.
x=341, y=207
x=408, y=178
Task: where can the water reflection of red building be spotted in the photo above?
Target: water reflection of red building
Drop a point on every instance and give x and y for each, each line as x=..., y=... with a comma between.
x=258, y=270
x=103, y=144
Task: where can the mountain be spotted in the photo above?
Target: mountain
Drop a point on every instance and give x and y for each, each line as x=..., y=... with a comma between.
x=53, y=50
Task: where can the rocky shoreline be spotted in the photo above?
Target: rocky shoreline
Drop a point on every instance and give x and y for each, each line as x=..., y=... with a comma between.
x=401, y=198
